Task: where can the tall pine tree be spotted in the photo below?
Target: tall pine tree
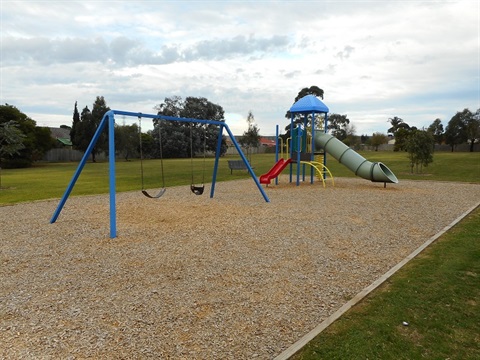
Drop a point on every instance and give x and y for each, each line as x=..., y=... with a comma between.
x=85, y=125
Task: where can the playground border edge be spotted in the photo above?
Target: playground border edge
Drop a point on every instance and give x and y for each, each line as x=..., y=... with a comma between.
x=297, y=346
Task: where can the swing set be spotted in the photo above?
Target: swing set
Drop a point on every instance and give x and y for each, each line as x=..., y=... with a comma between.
x=109, y=118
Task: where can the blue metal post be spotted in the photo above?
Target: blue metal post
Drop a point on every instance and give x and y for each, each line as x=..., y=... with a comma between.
x=249, y=168
x=217, y=157
x=312, y=156
x=276, y=151
x=304, y=142
x=291, y=147
x=80, y=167
x=111, y=168
x=299, y=139
x=324, y=152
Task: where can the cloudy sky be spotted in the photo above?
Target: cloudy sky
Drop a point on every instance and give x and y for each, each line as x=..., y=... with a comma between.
x=419, y=60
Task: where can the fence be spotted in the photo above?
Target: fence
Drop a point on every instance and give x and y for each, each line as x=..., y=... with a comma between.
x=67, y=154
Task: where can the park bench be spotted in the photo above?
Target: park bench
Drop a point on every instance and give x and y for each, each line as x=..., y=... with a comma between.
x=236, y=165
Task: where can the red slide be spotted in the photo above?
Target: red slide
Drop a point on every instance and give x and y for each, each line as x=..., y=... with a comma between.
x=274, y=171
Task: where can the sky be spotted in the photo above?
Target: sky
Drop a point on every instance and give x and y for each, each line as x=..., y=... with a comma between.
x=417, y=60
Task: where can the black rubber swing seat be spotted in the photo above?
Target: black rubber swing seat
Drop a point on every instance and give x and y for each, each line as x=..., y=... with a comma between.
x=197, y=190
x=160, y=193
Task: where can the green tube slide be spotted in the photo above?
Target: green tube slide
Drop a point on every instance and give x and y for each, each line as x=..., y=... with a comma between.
x=374, y=171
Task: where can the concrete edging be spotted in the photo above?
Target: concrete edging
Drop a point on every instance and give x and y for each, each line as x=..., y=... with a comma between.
x=297, y=346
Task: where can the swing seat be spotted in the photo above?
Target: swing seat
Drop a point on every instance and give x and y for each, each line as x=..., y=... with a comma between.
x=160, y=193
x=197, y=190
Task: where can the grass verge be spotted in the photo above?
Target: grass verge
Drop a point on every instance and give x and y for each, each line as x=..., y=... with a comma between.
x=437, y=294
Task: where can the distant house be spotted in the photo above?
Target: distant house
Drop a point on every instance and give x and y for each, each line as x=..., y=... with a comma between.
x=62, y=136
x=267, y=141
x=63, y=151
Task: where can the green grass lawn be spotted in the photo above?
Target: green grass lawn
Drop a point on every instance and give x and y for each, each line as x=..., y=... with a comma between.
x=49, y=180
x=437, y=294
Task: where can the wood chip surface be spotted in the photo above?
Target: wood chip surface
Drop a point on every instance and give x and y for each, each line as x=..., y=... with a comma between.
x=190, y=277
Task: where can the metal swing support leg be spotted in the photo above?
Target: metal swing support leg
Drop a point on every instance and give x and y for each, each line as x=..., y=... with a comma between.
x=217, y=157
x=111, y=175
x=108, y=117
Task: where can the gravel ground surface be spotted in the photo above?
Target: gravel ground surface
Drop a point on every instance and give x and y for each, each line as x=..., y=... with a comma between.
x=191, y=277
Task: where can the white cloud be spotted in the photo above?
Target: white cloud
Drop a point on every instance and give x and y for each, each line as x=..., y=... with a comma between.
x=374, y=59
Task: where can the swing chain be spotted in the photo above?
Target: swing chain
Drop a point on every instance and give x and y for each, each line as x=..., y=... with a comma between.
x=163, y=189
x=198, y=190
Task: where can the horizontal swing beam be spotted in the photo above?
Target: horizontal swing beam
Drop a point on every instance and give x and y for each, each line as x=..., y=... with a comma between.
x=169, y=118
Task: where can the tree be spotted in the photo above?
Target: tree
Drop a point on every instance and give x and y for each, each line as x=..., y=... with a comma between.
x=175, y=135
x=185, y=139
x=378, y=139
x=10, y=139
x=251, y=137
x=312, y=90
x=455, y=132
x=36, y=140
x=98, y=111
x=419, y=146
x=84, y=128
x=436, y=129
x=75, y=122
x=401, y=131
x=42, y=142
x=11, y=142
x=127, y=140
x=351, y=138
x=397, y=124
x=472, y=128
x=401, y=136
x=338, y=124
x=83, y=131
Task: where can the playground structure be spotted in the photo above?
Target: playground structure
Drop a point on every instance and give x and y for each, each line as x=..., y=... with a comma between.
x=109, y=118
x=306, y=142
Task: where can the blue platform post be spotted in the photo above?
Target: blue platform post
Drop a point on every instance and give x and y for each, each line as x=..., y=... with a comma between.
x=291, y=147
x=304, y=142
x=276, y=151
x=299, y=144
x=324, y=152
x=312, y=157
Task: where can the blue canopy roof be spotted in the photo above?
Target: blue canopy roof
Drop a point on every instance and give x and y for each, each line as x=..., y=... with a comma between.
x=309, y=104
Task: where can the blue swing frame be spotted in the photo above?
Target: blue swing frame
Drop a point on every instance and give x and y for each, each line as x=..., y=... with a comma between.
x=109, y=118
